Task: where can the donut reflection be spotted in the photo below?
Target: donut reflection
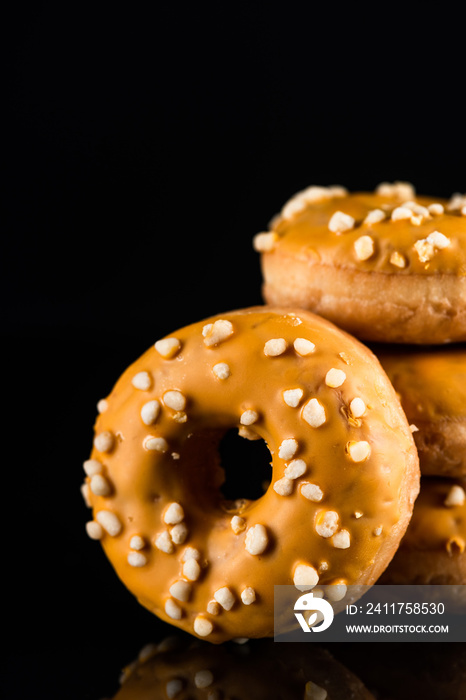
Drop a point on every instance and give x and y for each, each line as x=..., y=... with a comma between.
x=428, y=671
x=183, y=668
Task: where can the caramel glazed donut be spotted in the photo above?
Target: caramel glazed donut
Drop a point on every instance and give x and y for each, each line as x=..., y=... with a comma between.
x=386, y=266
x=433, y=548
x=345, y=470
x=431, y=385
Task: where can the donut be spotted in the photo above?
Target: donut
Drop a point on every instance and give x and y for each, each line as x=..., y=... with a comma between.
x=431, y=384
x=432, y=550
x=385, y=265
x=256, y=670
x=344, y=476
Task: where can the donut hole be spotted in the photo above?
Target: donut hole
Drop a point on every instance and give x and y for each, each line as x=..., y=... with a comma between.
x=246, y=465
x=221, y=471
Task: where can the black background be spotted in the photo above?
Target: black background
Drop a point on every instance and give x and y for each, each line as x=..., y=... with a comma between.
x=142, y=150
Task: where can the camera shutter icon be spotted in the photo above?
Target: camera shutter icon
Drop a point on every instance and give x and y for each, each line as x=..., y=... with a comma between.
x=309, y=603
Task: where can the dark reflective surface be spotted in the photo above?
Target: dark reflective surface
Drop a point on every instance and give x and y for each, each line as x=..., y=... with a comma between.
x=254, y=670
x=406, y=671
x=264, y=669
x=179, y=666
x=142, y=152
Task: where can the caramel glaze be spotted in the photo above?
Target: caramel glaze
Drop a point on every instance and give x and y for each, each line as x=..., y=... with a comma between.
x=431, y=384
x=373, y=498
x=435, y=525
x=307, y=236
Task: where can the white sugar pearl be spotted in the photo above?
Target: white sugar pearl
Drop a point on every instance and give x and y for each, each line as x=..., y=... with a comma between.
x=137, y=542
x=110, y=522
x=174, y=399
x=155, y=444
x=303, y=346
x=94, y=530
x=150, y=412
x=181, y=590
x=249, y=417
x=357, y=407
x=327, y=523
x=104, y=441
x=248, y=595
x=284, y=487
x=295, y=469
x=312, y=492
x=288, y=448
x=174, y=514
x=238, y=524
x=364, y=247
x=314, y=413
x=305, y=577
x=265, y=242
x=137, y=559
x=217, y=332
x=173, y=610
x=335, y=377
x=168, y=347
x=163, y=543
x=179, y=533
x=221, y=370
x=225, y=598
x=256, y=539
x=202, y=626
x=100, y=486
x=341, y=222
x=275, y=347
x=455, y=497
x=191, y=569
x=374, y=216
x=292, y=397
x=438, y=240
x=142, y=381
x=92, y=466
x=341, y=540
x=359, y=451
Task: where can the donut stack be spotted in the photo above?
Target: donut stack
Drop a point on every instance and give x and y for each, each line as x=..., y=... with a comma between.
x=431, y=384
x=390, y=267
x=386, y=267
